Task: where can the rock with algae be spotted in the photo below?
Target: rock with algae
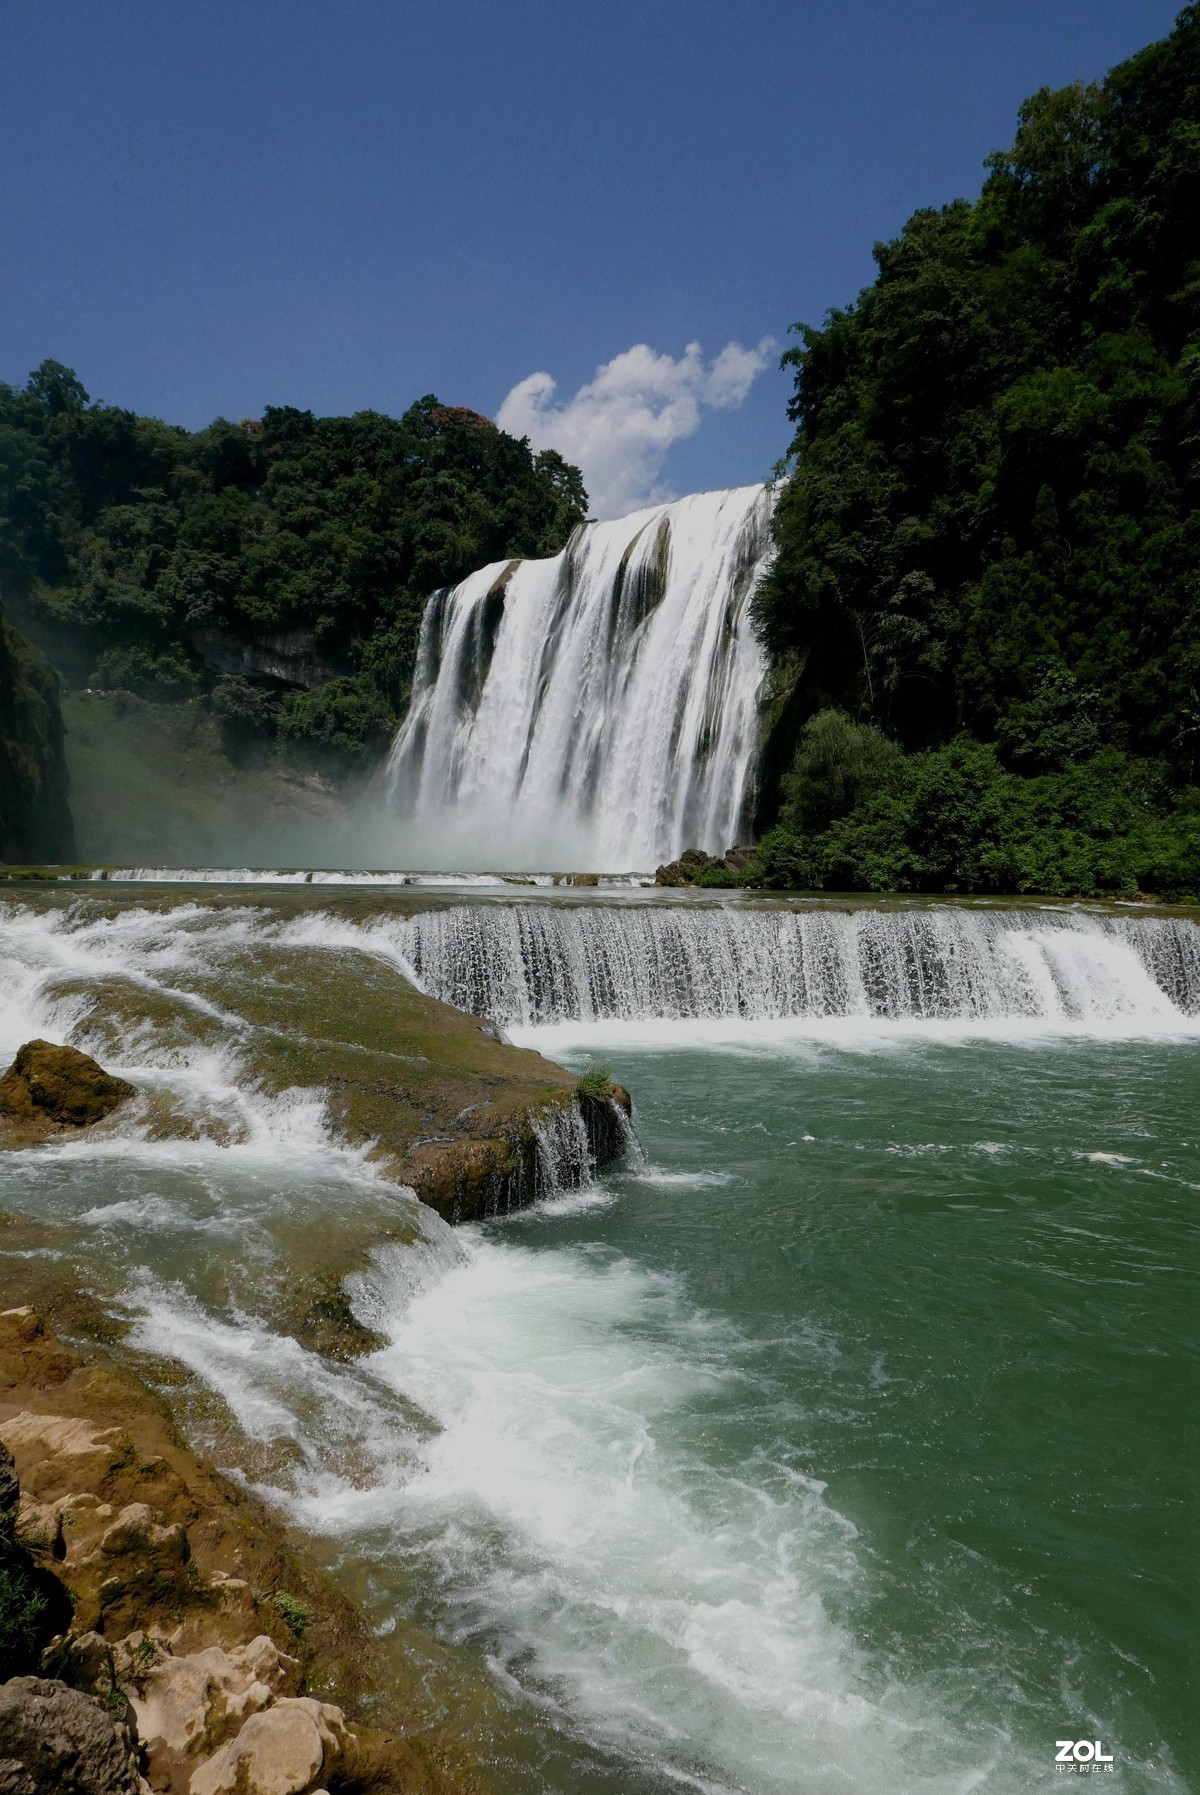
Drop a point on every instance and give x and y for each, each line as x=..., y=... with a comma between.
x=173, y=1584
x=49, y=1089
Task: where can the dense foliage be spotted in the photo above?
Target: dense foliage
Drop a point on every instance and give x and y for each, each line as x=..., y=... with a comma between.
x=989, y=533
x=956, y=818
x=313, y=541
x=35, y=815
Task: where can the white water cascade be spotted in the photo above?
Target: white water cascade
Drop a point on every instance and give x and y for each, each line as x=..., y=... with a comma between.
x=597, y=711
x=539, y=964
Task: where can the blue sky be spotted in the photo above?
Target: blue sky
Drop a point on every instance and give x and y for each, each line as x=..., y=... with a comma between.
x=210, y=208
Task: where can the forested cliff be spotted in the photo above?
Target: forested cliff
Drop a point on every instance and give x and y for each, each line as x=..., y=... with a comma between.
x=35, y=812
x=278, y=566
x=983, y=621
x=986, y=601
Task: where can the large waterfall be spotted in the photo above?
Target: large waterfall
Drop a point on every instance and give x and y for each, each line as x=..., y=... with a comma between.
x=597, y=711
x=549, y=963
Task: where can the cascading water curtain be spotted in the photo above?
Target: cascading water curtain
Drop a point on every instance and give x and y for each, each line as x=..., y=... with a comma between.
x=596, y=711
x=542, y=963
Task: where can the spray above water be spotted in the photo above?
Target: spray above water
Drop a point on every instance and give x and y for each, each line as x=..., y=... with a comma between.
x=596, y=710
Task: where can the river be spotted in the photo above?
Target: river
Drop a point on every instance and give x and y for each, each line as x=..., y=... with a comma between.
x=841, y=1439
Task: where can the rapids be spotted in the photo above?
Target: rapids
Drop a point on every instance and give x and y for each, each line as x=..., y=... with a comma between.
x=831, y=1443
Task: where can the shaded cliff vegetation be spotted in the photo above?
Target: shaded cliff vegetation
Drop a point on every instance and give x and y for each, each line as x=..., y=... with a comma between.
x=35, y=813
x=987, y=594
x=276, y=568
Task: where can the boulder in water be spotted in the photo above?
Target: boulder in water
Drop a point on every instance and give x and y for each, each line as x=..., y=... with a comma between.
x=48, y=1088
x=694, y=862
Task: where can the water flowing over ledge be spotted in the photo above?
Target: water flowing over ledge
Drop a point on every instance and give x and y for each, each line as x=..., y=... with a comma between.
x=600, y=708
x=535, y=964
x=254, y=875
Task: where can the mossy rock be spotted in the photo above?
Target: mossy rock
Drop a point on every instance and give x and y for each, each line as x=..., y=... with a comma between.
x=49, y=1088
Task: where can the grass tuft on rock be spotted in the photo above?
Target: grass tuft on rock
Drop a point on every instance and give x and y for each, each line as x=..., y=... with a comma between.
x=597, y=1081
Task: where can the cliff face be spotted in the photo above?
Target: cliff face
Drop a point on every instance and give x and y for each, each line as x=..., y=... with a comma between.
x=35, y=813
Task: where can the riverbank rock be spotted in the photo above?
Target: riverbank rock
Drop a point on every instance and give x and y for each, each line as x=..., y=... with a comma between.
x=58, y=1741
x=289, y=1750
x=539, y=1152
x=695, y=867
x=188, y=1707
x=194, y=1654
x=49, y=1089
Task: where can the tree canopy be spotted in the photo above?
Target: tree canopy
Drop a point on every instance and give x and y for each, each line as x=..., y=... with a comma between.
x=989, y=524
x=150, y=541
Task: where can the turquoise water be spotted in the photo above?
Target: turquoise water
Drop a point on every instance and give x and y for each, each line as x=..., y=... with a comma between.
x=847, y=1444
x=962, y=1280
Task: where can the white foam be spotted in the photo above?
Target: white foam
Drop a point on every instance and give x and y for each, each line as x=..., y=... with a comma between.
x=674, y=1609
x=800, y=1036
x=595, y=708
x=448, y=881
x=716, y=968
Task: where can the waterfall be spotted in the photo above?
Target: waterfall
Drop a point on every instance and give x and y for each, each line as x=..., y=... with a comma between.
x=543, y=963
x=597, y=711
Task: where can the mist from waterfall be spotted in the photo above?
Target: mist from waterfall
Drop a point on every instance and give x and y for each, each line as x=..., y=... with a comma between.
x=597, y=711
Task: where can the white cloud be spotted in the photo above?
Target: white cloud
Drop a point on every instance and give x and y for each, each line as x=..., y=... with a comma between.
x=619, y=427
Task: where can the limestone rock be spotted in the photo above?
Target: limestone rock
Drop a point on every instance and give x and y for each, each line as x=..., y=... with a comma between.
x=48, y=1088
x=188, y=1707
x=56, y=1741
x=287, y=1750
x=684, y=870
x=136, y=1529
x=25, y=1346
x=84, y=1661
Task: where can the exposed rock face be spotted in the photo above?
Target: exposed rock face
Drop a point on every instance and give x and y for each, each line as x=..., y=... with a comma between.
x=290, y=656
x=57, y=1741
x=289, y=1750
x=188, y=1707
x=183, y=1667
x=49, y=1088
x=35, y=813
x=467, y=1180
x=694, y=862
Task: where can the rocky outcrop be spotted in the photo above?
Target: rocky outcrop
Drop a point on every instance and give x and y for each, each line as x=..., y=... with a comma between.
x=538, y=1153
x=194, y=1655
x=188, y=1707
x=695, y=867
x=50, y=1090
x=35, y=811
x=57, y=1741
x=289, y=657
x=296, y=1745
